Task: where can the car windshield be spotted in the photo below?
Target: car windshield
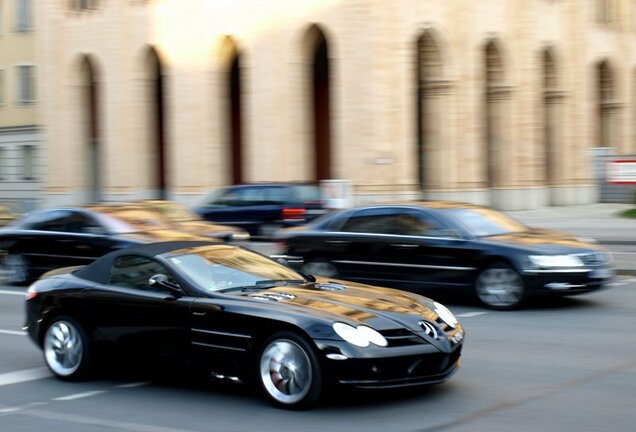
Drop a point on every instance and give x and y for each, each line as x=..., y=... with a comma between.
x=226, y=269
x=483, y=222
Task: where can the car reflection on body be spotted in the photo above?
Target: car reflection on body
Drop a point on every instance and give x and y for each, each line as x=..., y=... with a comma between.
x=183, y=219
x=423, y=245
x=242, y=316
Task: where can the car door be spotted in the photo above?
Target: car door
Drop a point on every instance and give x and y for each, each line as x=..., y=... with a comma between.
x=429, y=251
x=361, y=247
x=145, y=319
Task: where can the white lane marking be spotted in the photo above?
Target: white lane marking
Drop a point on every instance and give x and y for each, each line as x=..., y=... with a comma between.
x=24, y=376
x=79, y=395
x=134, y=384
x=21, y=408
x=13, y=332
x=470, y=314
x=15, y=293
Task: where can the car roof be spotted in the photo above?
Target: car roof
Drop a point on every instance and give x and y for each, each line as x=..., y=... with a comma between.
x=99, y=270
x=435, y=205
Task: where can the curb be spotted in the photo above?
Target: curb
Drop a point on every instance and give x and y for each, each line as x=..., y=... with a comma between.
x=625, y=271
x=616, y=241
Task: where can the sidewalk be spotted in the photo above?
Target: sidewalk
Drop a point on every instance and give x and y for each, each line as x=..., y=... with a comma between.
x=598, y=221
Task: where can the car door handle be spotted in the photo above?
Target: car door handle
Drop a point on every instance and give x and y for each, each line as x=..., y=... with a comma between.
x=404, y=245
x=338, y=241
x=196, y=313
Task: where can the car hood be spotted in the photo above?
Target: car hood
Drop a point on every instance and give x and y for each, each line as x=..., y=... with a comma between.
x=353, y=303
x=543, y=241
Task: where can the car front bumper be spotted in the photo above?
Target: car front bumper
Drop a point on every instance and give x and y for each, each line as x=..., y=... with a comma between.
x=401, y=368
x=567, y=282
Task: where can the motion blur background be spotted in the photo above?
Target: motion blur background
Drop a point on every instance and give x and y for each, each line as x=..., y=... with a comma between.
x=508, y=103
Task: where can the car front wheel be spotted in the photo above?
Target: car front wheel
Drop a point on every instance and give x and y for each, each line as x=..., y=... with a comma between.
x=320, y=267
x=66, y=349
x=289, y=371
x=500, y=287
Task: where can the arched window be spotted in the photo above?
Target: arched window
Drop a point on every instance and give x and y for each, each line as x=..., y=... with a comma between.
x=606, y=104
x=319, y=78
x=494, y=113
x=90, y=103
x=429, y=110
x=156, y=99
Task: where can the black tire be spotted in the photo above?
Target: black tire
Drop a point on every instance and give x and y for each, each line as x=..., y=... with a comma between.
x=294, y=379
x=320, y=267
x=499, y=286
x=15, y=270
x=267, y=230
x=62, y=338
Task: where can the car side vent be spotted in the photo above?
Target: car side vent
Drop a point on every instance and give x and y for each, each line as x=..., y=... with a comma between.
x=331, y=286
x=274, y=296
x=402, y=337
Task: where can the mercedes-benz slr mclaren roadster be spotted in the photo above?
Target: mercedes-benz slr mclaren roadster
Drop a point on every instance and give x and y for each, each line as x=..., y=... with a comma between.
x=241, y=316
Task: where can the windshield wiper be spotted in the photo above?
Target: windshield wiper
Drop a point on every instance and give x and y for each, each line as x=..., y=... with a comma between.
x=263, y=285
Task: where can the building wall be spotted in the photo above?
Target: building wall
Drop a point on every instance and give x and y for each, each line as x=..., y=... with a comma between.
x=19, y=122
x=373, y=51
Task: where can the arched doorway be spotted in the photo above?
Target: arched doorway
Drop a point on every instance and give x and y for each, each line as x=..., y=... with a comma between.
x=319, y=78
x=496, y=96
x=552, y=118
x=431, y=90
x=607, y=106
x=91, y=136
x=156, y=99
x=235, y=118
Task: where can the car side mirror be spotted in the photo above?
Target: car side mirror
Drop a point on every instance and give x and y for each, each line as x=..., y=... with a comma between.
x=162, y=281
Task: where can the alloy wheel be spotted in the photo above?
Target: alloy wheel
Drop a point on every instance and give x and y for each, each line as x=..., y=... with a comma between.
x=63, y=348
x=500, y=287
x=286, y=371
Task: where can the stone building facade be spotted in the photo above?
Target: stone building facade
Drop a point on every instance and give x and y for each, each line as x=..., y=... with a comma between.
x=494, y=101
x=20, y=138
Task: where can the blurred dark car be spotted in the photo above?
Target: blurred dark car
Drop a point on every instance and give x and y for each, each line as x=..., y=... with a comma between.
x=49, y=239
x=262, y=209
x=425, y=245
x=183, y=219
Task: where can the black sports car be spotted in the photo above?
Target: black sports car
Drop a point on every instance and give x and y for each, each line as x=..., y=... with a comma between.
x=425, y=245
x=243, y=316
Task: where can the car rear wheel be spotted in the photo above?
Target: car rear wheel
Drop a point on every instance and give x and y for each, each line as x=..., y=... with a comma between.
x=66, y=349
x=500, y=287
x=268, y=230
x=289, y=371
x=320, y=267
x=15, y=269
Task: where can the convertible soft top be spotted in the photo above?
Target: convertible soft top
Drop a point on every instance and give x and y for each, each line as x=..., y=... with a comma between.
x=99, y=270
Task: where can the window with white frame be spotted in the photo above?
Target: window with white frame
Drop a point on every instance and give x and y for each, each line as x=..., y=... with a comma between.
x=26, y=83
x=28, y=162
x=23, y=15
x=3, y=163
x=3, y=86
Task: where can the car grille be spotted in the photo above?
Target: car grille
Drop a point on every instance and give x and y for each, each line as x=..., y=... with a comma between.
x=593, y=259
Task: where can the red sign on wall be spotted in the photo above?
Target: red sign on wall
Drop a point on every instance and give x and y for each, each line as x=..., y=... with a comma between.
x=621, y=171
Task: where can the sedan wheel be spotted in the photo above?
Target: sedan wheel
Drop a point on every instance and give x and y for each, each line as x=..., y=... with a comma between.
x=289, y=371
x=66, y=349
x=500, y=287
x=15, y=269
x=320, y=267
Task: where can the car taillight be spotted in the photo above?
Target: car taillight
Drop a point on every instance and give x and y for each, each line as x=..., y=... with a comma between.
x=31, y=294
x=294, y=213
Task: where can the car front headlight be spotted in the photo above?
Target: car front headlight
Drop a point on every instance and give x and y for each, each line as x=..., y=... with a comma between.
x=445, y=314
x=555, y=261
x=361, y=336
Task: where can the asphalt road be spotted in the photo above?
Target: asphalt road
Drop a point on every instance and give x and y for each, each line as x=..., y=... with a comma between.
x=566, y=366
